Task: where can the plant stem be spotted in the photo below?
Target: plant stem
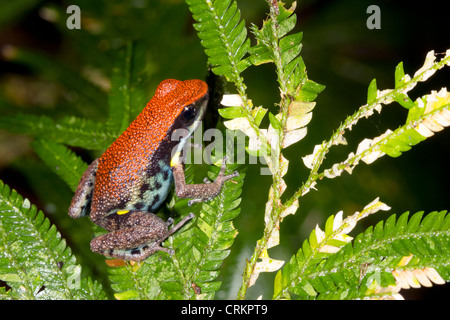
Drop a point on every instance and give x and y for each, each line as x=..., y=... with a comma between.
x=277, y=184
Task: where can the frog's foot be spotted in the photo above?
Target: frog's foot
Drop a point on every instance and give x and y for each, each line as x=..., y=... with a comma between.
x=218, y=182
x=169, y=222
x=221, y=178
x=180, y=224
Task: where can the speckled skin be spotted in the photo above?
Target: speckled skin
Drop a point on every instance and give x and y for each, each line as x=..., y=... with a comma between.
x=143, y=150
x=134, y=175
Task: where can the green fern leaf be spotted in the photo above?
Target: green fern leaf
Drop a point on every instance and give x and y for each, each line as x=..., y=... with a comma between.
x=61, y=160
x=212, y=238
x=223, y=35
x=396, y=254
x=72, y=131
x=429, y=114
x=129, y=86
x=372, y=91
x=274, y=45
x=426, y=116
x=399, y=75
x=34, y=261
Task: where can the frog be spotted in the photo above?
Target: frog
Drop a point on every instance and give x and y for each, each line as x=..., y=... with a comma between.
x=121, y=190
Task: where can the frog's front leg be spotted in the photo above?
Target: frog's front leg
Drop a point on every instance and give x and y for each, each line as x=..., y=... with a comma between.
x=199, y=192
x=135, y=235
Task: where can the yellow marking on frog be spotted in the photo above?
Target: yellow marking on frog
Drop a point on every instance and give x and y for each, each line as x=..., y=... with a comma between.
x=175, y=159
x=122, y=212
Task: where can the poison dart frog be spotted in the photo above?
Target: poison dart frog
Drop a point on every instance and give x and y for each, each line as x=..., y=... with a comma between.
x=132, y=178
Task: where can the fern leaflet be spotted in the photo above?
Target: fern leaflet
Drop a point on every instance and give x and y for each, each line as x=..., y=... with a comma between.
x=274, y=45
x=61, y=160
x=34, y=261
x=373, y=265
x=430, y=114
x=73, y=131
x=223, y=35
x=129, y=86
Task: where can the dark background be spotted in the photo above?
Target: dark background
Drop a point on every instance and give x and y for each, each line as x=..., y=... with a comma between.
x=339, y=52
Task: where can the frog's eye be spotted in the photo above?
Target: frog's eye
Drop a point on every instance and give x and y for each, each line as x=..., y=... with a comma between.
x=189, y=112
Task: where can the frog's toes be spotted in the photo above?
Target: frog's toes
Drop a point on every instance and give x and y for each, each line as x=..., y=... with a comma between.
x=169, y=222
x=221, y=178
x=181, y=223
x=191, y=215
x=206, y=180
x=192, y=201
x=223, y=167
x=232, y=175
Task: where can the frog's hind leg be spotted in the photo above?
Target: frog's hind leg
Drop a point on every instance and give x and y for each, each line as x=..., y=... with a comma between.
x=135, y=236
x=131, y=234
x=121, y=244
x=81, y=202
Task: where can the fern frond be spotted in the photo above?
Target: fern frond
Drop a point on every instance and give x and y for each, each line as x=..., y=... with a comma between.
x=191, y=273
x=223, y=35
x=61, y=160
x=72, y=131
x=213, y=236
x=377, y=263
x=275, y=45
x=129, y=86
x=430, y=114
x=426, y=116
x=287, y=127
x=207, y=244
x=375, y=99
x=34, y=261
